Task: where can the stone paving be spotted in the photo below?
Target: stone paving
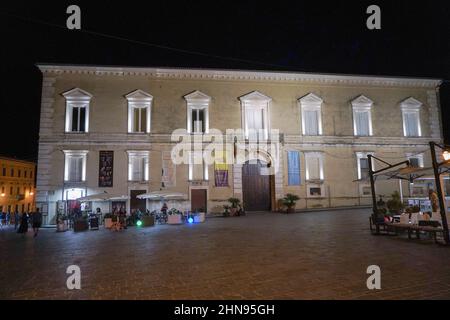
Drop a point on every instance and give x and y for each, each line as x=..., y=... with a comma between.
x=316, y=255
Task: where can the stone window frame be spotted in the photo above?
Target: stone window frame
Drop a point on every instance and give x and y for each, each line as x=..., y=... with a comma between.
x=76, y=98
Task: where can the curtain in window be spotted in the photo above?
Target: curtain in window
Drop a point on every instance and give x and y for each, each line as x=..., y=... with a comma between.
x=311, y=122
x=138, y=169
x=293, y=168
x=75, y=169
x=254, y=118
x=78, y=119
x=362, y=123
x=364, y=168
x=313, y=168
x=411, y=124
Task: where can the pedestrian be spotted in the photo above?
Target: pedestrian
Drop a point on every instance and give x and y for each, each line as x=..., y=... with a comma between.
x=16, y=219
x=23, y=228
x=37, y=222
x=8, y=217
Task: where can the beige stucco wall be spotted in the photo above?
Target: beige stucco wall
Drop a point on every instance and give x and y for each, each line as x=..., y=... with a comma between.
x=108, y=129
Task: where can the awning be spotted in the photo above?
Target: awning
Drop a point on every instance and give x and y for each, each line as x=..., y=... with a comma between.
x=163, y=195
x=104, y=196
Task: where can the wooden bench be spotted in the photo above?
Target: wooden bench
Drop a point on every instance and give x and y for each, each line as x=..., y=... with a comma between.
x=411, y=228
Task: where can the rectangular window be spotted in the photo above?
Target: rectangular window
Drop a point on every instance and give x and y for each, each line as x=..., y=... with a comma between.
x=364, y=168
x=315, y=191
x=25, y=173
x=78, y=119
x=75, y=169
x=311, y=122
x=4, y=172
x=12, y=172
x=414, y=162
x=139, y=119
x=198, y=120
x=293, y=168
x=411, y=123
x=11, y=190
x=138, y=166
x=362, y=123
x=19, y=173
x=75, y=166
x=314, y=166
x=197, y=169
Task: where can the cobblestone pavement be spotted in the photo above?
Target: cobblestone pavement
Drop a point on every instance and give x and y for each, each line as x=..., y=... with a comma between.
x=316, y=255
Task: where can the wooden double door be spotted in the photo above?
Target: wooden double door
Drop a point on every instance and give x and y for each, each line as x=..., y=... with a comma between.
x=256, y=187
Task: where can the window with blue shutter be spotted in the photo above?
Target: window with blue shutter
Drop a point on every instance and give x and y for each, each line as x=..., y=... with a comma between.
x=293, y=168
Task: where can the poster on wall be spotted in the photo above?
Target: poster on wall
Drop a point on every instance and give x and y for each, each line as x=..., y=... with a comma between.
x=105, y=171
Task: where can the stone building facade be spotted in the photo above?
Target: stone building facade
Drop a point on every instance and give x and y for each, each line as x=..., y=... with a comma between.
x=17, y=185
x=115, y=124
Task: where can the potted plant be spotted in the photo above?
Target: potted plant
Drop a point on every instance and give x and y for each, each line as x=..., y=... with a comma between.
x=80, y=224
x=174, y=216
x=226, y=210
x=61, y=223
x=148, y=220
x=199, y=215
x=394, y=205
x=107, y=220
x=235, y=202
x=289, y=201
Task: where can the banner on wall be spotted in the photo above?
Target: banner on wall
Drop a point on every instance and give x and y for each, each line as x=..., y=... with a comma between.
x=221, y=169
x=105, y=171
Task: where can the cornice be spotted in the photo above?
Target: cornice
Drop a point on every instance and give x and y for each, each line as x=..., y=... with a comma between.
x=239, y=75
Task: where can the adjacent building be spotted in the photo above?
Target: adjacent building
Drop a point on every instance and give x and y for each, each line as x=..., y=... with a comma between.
x=110, y=129
x=17, y=185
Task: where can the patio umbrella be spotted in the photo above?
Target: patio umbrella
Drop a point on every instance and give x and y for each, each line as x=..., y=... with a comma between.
x=163, y=195
x=104, y=196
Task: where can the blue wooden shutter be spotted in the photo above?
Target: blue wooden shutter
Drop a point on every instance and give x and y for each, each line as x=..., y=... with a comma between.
x=293, y=168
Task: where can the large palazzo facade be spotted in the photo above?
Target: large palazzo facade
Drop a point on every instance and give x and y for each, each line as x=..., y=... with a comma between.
x=110, y=129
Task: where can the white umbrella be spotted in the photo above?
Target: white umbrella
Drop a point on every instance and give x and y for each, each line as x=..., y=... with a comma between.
x=104, y=196
x=162, y=195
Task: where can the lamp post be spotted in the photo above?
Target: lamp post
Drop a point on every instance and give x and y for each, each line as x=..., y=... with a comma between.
x=437, y=178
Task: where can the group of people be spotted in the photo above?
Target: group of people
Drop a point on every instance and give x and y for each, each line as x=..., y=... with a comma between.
x=21, y=221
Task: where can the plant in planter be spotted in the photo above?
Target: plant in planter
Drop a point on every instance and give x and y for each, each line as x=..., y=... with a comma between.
x=235, y=202
x=61, y=222
x=148, y=219
x=174, y=216
x=290, y=201
x=226, y=210
x=394, y=204
x=107, y=220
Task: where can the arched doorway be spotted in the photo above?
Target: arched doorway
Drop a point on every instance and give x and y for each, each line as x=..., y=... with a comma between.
x=256, y=187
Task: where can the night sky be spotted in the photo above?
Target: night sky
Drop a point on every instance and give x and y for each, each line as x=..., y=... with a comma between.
x=305, y=36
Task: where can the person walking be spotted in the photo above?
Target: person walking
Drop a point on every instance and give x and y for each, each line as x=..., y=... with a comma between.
x=16, y=220
x=8, y=218
x=23, y=228
x=37, y=222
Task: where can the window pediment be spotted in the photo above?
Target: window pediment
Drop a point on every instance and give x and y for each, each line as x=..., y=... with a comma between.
x=310, y=99
x=197, y=97
x=255, y=96
x=139, y=95
x=77, y=94
x=362, y=101
x=410, y=103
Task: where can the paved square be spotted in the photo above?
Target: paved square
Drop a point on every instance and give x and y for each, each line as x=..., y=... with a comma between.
x=316, y=255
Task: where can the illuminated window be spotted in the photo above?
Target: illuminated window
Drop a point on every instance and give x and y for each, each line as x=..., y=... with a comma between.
x=293, y=168
x=363, y=165
x=411, y=117
x=255, y=115
x=197, y=112
x=314, y=166
x=311, y=111
x=198, y=170
x=77, y=110
x=362, y=116
x=139, y=111
x=75, y=165
x=138, y=166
